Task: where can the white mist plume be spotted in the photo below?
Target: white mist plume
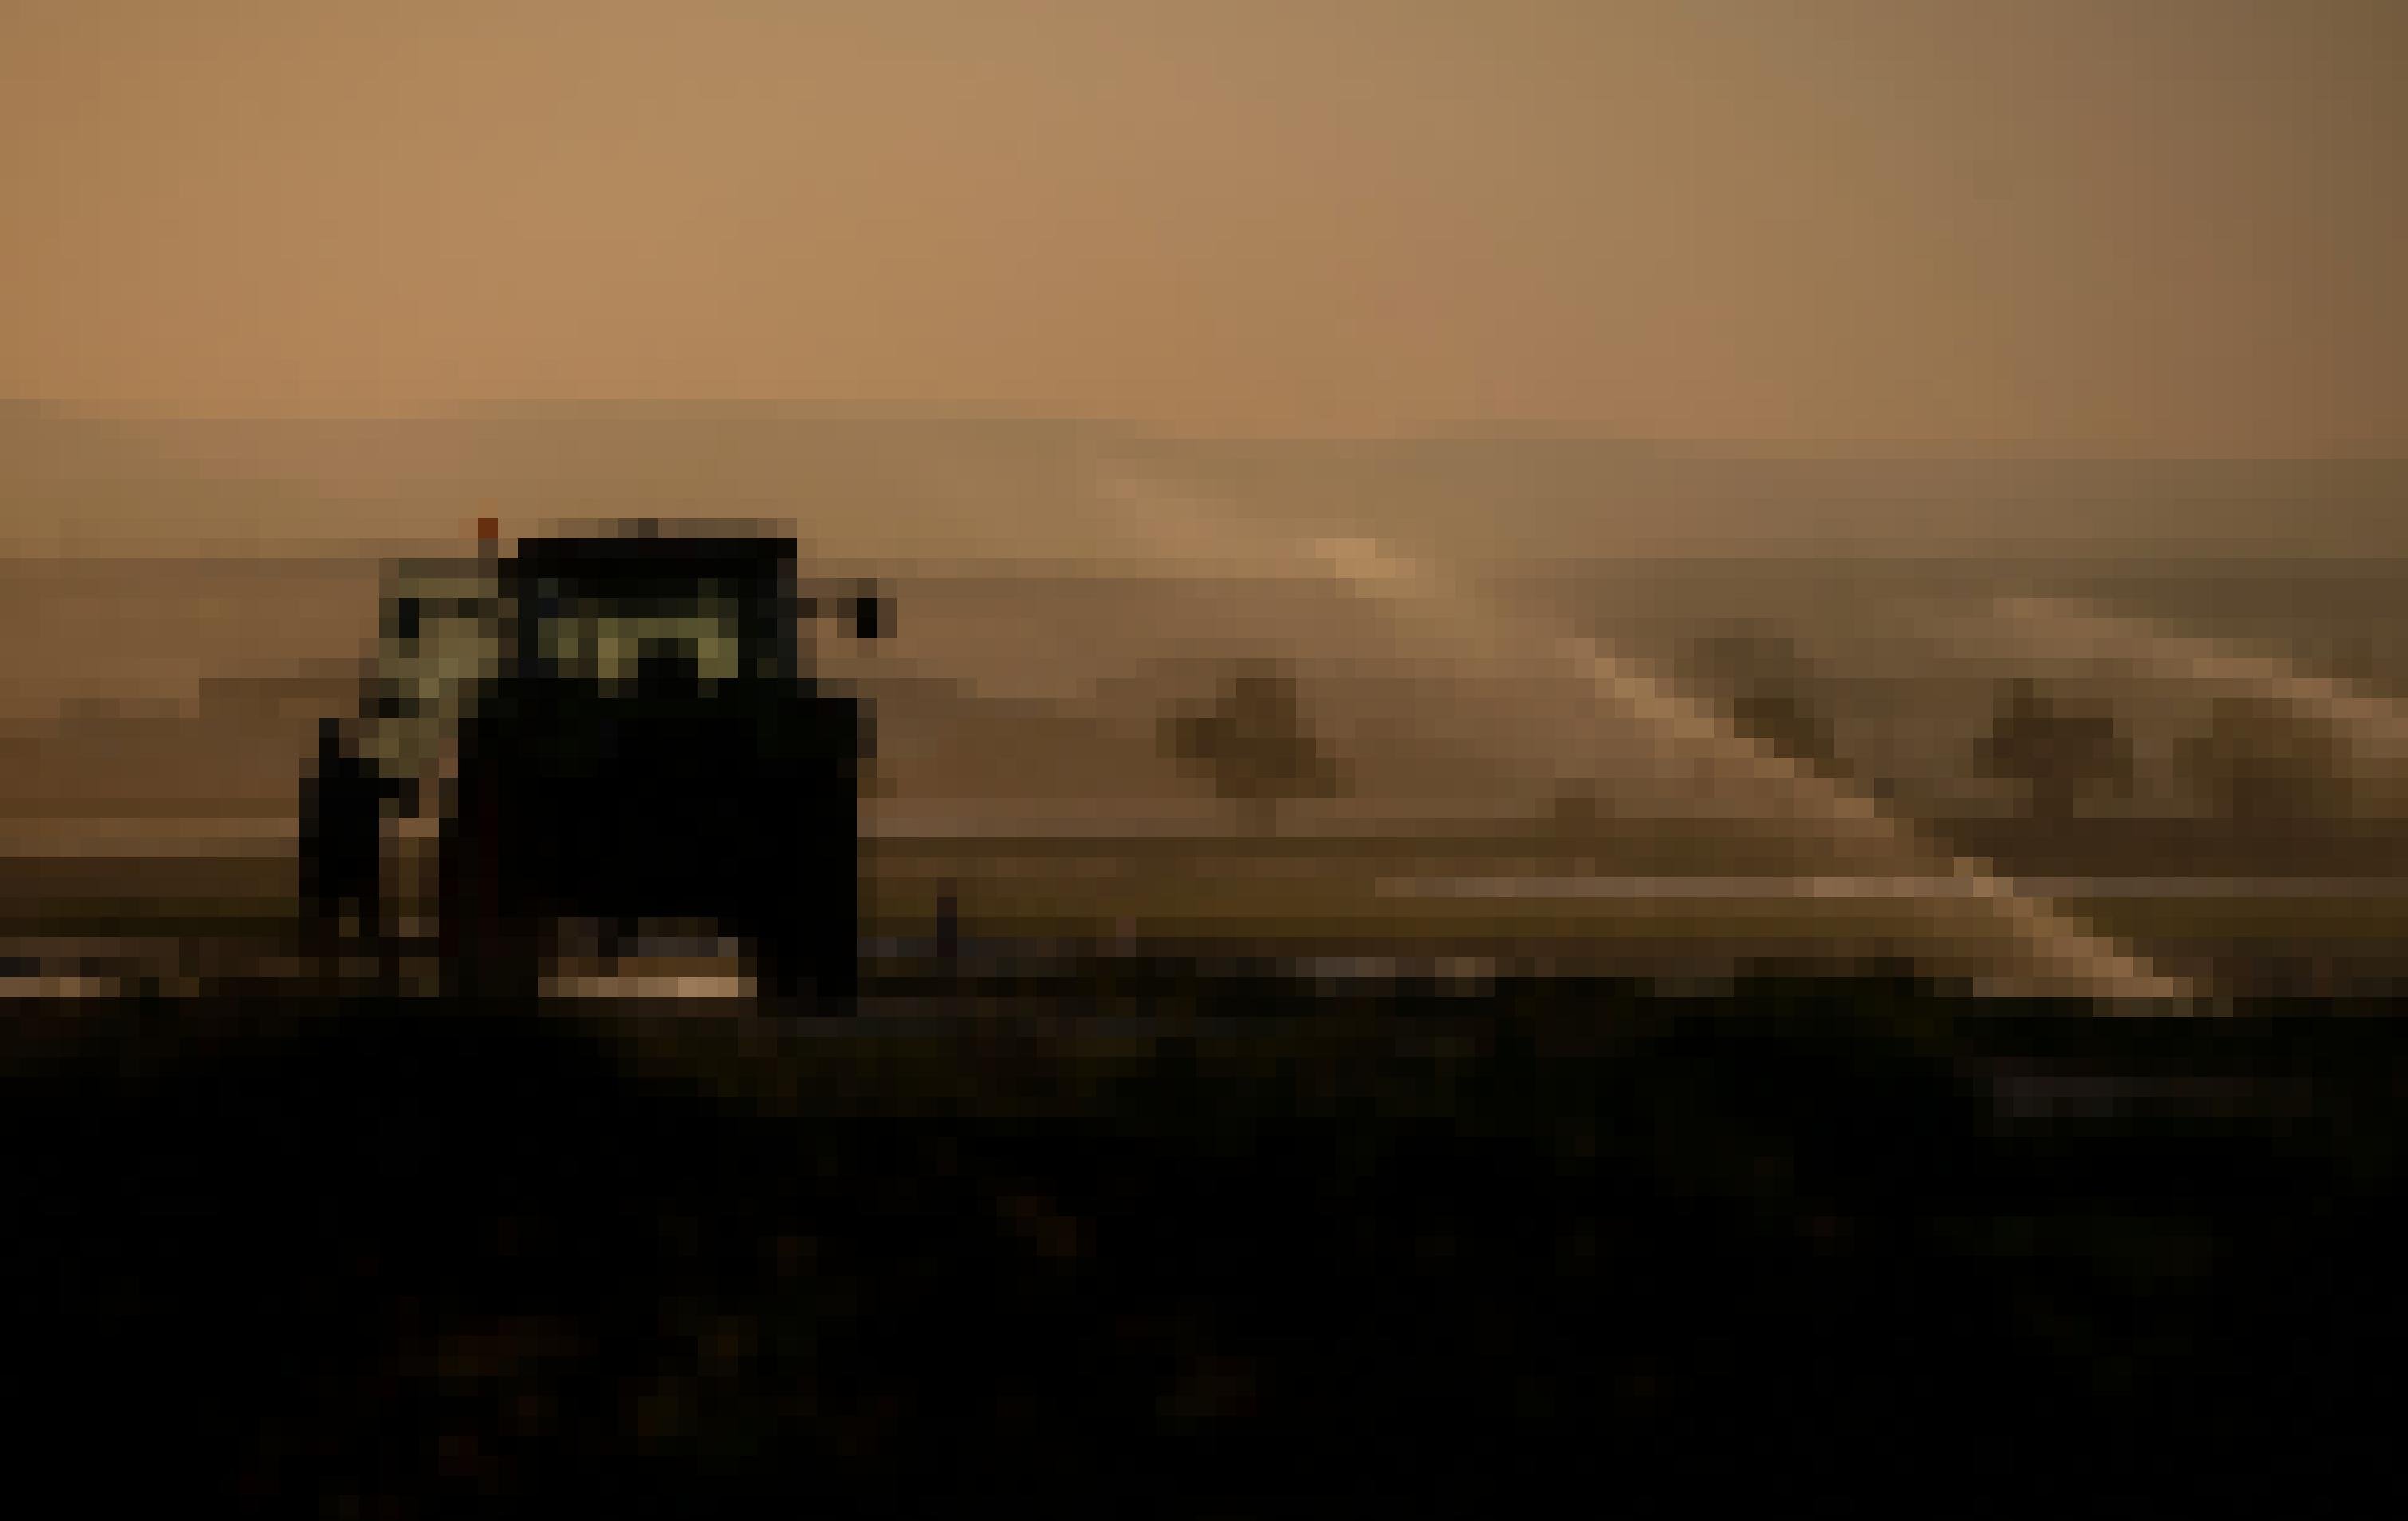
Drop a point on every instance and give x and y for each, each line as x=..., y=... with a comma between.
x=1676, y=753
x=2366, y=734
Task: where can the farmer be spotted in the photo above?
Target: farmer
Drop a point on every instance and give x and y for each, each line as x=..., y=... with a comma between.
x=342, y=801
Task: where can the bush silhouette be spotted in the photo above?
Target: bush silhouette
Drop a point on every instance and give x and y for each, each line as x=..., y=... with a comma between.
x=1253, y=745
x=2060, y=753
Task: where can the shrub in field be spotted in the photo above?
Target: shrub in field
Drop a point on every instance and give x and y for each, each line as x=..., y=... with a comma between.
x=1254, y=744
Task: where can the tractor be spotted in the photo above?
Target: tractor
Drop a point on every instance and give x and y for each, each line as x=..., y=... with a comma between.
x=622, y=731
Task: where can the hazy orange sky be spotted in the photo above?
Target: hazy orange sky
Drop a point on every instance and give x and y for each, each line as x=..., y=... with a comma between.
x=2170, y=226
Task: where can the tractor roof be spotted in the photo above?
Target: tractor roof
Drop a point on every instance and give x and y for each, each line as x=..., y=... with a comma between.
x=650, y=563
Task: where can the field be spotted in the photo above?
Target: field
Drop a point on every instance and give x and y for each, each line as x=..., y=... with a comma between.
x=406, y=1260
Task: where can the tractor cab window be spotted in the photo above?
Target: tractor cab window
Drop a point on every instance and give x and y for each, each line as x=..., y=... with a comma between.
x=621, y=641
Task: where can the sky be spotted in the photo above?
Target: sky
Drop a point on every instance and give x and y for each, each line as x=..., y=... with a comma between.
x=2147, y=226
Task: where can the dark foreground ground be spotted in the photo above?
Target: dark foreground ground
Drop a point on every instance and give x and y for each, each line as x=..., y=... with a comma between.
x=399, y=1260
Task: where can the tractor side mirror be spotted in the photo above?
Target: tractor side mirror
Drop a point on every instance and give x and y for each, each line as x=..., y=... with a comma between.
x=867, y=615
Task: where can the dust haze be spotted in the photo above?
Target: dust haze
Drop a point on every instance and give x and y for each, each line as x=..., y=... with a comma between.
x=1891, y=445
x=1598, y=706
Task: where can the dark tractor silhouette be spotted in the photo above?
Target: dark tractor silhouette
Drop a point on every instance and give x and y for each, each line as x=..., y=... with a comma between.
x=644, y=744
